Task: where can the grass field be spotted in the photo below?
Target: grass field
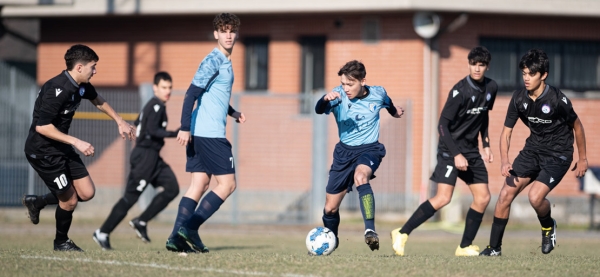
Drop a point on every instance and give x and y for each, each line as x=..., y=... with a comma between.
x=26, y=250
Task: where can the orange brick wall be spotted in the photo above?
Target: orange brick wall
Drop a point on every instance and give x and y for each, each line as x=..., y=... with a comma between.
x=178, y=44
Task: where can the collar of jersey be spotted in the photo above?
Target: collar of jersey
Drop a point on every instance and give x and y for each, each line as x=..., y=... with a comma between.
x=71, y=79
x=473, y=85
x=546, y=89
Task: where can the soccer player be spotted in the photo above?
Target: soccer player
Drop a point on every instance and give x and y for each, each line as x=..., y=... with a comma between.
x=464, y=116
x=203, y=132
x=51, y=151
x=548, y=150
x=147, y=167
x=357, y=156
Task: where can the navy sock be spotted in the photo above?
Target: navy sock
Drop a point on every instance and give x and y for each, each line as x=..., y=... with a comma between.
x=63, y=224
x=422, y=214
x=208, y=206
x=367, y=205
x=498, y=227
x=186, y=209
x=331, y=221
x=546, y=221
x=472, y=224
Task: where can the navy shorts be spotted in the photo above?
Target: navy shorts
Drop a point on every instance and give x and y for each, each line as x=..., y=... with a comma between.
x=209, y=155
x=58, y=172
x=446, y=173
x=345, y=160
x=542, y=168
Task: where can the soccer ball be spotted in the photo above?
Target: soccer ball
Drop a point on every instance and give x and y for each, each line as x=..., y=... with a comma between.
x=320, y=241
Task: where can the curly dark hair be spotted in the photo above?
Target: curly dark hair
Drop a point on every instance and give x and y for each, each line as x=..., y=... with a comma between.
x=479, y=54
x=353, y=69
x=224, y=21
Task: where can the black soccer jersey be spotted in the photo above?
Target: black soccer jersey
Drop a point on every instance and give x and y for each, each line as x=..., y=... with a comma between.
x=549, y=119
x=467, y=110
x=56, y=103
x=151, y=125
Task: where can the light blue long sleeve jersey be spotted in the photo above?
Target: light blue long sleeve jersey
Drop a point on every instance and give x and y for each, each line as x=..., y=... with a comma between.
x=211, y=87
x=358, y=119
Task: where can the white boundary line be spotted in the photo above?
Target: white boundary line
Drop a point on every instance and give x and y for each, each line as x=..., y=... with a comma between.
x=163, y=266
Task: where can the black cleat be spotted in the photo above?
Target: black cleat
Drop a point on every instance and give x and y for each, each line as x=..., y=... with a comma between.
x=140, y=229
x=549, y=238
x=104, y=243
x=192, y=237
x=68, y=245
x=371, y=239
x=33, y=212
x=177, y=244
x=491, y=251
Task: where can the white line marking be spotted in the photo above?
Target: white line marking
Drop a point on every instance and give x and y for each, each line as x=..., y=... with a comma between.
x=164, y=266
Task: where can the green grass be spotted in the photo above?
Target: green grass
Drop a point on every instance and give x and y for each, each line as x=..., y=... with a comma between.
x=26, y=250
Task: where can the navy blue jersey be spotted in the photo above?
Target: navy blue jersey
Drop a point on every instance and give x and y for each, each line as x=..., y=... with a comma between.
x=549, y=118
x=467, y=110
x=56, y=103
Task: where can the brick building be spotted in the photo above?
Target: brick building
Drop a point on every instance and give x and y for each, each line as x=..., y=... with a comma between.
x=290, y=48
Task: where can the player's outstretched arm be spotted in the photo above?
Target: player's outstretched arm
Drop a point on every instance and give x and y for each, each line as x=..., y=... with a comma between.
x=582, y=165
x=51, y=132
x=506, y=166
x=125, y=130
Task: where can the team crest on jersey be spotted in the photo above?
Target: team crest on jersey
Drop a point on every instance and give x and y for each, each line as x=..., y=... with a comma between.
x=372, y=107
x=455, y=93
x=488, y=97
x=545, y=108
x=473, y=98
x=81, y=91
x=565, y=100
x=525, y=105
x=156, y=107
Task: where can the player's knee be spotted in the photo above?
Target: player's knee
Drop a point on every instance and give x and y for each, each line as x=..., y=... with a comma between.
x=536, y=200
x=360, y=178
x=505, y=198
x=84, y=197
x=330, y=210
x=171, y=192
x=131, y=198
x=482, y=200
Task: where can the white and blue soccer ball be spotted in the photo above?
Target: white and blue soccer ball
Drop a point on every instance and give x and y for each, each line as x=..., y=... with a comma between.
x=320, y=241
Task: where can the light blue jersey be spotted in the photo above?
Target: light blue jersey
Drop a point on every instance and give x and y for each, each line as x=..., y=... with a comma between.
x=211, y=87
x=358, y=119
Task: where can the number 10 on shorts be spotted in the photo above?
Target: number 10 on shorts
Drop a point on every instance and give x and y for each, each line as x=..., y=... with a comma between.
x=61, y=181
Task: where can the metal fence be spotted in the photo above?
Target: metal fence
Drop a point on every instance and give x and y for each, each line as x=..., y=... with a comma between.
x=283, y=155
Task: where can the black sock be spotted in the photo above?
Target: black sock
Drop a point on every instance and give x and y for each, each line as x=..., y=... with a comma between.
x=331, y=221
x=546, y=221
x=63, y=223
x=498, y=232
x=44, y=200
x=118, y=212
x=422, y=214
x=472, y=224
x=159, y=203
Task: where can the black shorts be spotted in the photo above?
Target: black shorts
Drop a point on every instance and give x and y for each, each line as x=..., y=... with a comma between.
x=446, y=173
x=345, y=160
x=542, y=168
x=209, y=155
x=58, y=172
x=148, y=168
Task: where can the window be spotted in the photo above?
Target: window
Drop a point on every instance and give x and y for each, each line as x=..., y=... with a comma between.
x=257, y=63
x=574, y=65
x=370, y=30
x=313, y=69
